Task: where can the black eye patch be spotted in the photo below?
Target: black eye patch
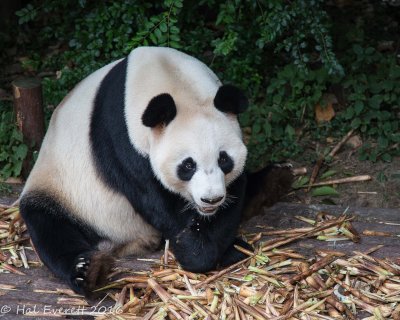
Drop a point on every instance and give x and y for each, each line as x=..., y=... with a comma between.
x=186, y=169
x=225, y=162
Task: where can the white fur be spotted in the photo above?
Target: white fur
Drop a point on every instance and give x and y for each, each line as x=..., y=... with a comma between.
x=66, y=169
x=153, y=71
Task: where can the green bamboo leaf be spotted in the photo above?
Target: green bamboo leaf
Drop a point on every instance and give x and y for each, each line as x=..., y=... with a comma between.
x=328, y=174
x=324, y=191
x=302, y=181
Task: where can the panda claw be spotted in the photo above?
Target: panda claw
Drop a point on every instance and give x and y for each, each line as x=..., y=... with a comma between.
x=80, y=282
x=82, y=261
x=82, y=267
x=283, y=165
x=89, y=271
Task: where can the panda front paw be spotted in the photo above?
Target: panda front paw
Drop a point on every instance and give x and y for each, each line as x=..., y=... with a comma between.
x=81, y=269
x=283, y=165
x=90, y=271
x=194, y=250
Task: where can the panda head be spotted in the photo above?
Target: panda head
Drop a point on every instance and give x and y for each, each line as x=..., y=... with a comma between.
x=197, y=152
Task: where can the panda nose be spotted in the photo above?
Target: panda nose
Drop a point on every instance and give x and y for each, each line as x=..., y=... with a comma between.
x=212, y=201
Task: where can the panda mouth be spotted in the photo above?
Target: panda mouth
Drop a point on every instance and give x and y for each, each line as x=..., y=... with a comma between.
x=207, y=210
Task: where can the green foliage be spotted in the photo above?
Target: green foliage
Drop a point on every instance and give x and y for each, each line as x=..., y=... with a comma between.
x=324, y=191
x=161, y=29
x=301, y=29
x=285, y=55
x=27, y=14
x=301, y=182
x=374, y=101
x=327, y=174
x=13, y=150
x=101, y=32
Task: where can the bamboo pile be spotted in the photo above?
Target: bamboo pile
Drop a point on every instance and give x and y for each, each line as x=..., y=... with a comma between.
x=273, y=282
x=12, y=237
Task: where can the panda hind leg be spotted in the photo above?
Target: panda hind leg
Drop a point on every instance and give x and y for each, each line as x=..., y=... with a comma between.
x=64, y=244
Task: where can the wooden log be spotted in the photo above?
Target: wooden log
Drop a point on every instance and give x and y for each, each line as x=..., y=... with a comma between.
x=28, y=108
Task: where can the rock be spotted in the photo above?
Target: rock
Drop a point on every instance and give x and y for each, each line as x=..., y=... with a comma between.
x=354, y=142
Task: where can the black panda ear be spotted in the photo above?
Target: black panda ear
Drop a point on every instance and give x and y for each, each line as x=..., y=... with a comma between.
x=161, y=110
x=230, y=99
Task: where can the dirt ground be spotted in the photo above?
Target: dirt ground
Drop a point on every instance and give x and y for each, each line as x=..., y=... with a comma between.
x=382, y=191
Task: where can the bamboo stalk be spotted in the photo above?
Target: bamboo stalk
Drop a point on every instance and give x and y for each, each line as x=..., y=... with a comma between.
x=166, y=248
x=340, y=181
x=340, y=144
x=299, y=171
x=251, y=310
x=315, y=171
x=313, y=268
x=327, y=225
x=331, y=154
x=220, y=273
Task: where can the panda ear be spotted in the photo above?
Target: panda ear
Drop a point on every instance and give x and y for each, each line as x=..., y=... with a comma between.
x=230, y=99
x=160, y=110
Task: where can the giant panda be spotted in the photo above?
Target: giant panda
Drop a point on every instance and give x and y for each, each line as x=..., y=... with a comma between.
x=145, y=148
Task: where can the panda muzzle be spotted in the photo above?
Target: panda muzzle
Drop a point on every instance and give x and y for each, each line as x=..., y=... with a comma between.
x=211, y=205
x=208, y=210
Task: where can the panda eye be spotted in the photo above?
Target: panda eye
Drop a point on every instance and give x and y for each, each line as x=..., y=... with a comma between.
x=186, y=169
x=189, y=165
x=225, y=162
x=222, y=158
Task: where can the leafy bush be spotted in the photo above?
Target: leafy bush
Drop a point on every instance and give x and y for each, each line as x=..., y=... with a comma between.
x=282, y=53
x=374, y=101
x=13, y=150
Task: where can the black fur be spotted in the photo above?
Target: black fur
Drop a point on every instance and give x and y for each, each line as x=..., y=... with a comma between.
x=186, y=169
x=161, y=110
x=225, y=162
x=230, y=99
x=59, y=239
